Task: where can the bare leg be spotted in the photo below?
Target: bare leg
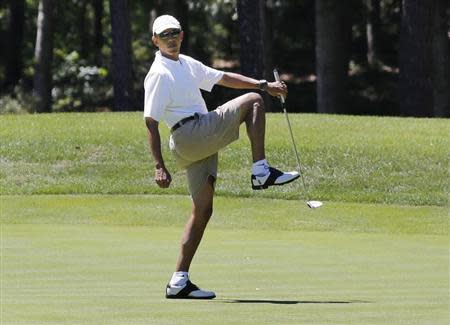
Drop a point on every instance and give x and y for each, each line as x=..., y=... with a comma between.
x=253, y=114
x=195, y=227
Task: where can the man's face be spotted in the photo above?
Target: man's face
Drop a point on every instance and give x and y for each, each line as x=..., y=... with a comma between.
x=169, y=41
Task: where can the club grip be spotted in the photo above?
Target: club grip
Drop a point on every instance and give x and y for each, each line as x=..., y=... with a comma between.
x=277, y=78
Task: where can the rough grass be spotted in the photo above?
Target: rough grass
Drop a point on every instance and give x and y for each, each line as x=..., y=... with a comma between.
x=345, y=158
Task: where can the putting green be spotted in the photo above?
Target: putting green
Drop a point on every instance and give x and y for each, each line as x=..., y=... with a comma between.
x=106, y=274
x=105, y=259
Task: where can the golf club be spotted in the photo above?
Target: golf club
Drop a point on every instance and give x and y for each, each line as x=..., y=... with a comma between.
x=309, y=203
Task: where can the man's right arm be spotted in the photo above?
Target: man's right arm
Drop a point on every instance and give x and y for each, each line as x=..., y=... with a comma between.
x=162, y=175
x=238, y=81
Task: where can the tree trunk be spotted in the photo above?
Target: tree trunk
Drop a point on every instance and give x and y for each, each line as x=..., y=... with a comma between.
x=180, y=10
x=268, y=49
x=43, y=55
x=416, y=57
x=441, y=62
x=183, y=16
x=98, y=16
x=251, y=32
x=121, y=56
x=333, y=36
x=154, y=13
x=84, y=39
x=373, y=32
x=15, y=42
x=268, y=39
x=169, y=7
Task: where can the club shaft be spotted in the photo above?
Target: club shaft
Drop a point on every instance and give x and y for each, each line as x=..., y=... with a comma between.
x=299, y=165
x=282, y=100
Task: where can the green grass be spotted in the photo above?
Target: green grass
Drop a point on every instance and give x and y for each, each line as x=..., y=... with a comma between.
x=104, y=259
x=346, y=158
x=87, y=237
x=106, y=274
x=229, y=213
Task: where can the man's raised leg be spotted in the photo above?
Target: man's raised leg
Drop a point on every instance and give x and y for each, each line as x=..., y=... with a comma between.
x=253, y=114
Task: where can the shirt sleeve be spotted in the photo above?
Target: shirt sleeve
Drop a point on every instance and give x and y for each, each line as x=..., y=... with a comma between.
x=208, y=77
x=157, y=96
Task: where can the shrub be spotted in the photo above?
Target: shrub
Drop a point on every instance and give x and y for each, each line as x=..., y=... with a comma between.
x=78, y=86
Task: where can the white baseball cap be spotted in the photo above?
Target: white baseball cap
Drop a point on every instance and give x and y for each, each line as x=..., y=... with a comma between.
x=165, y=22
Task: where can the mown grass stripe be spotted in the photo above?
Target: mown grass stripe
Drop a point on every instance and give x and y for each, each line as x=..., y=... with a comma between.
x=229, y=213
x=346, y=158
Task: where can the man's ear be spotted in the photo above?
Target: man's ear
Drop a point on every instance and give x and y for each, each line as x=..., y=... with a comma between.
x=155, y=41
x=181, y=35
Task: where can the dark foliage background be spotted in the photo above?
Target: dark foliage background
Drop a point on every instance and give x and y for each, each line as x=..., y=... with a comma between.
x=81, y=66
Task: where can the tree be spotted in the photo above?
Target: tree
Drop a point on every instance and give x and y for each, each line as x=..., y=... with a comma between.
x=268, y=39
x=441, y=62
x=251, y=32
x=122, y=69
x=254, y=55
x=43, y=54
x=98, y=31
x=372, y=32
x=15, y=37
x=83, y=30
x=333, y=35
x=422, y=55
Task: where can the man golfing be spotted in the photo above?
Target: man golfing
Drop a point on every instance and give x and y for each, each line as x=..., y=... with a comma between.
x=172, y=94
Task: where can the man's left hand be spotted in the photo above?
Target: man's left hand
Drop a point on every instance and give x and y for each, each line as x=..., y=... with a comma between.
x=277, y=88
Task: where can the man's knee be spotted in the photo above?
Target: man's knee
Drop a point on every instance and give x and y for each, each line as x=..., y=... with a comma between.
x=203, y=204
x=203, y=214
x=254, y=100
x=252, y=103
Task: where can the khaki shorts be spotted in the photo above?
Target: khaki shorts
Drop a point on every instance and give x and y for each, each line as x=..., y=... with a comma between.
x=196, y=143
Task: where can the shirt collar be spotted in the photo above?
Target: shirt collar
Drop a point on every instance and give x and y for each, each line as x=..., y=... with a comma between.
x=165, y=60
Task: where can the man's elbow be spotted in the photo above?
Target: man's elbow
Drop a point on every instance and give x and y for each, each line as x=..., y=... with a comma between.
x=225, y=80
x=151, y=123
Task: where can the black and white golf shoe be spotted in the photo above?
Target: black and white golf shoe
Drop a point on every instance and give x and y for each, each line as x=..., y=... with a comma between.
x=273, y=177
x=188, y=291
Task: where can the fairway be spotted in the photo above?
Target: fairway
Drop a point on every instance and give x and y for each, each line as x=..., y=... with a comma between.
x=63, y=265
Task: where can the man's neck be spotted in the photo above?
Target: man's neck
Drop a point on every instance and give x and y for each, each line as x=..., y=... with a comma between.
x=173, y=57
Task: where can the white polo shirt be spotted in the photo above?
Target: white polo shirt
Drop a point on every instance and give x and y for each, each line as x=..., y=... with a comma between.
x=172, y=88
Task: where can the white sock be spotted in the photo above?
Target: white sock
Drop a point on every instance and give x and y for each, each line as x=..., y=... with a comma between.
x=260, y=167
x=179, y=279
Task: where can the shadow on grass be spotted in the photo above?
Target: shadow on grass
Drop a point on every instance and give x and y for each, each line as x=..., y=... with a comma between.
x=291, y=302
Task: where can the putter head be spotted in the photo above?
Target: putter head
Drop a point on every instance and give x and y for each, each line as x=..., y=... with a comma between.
x=314, y=204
